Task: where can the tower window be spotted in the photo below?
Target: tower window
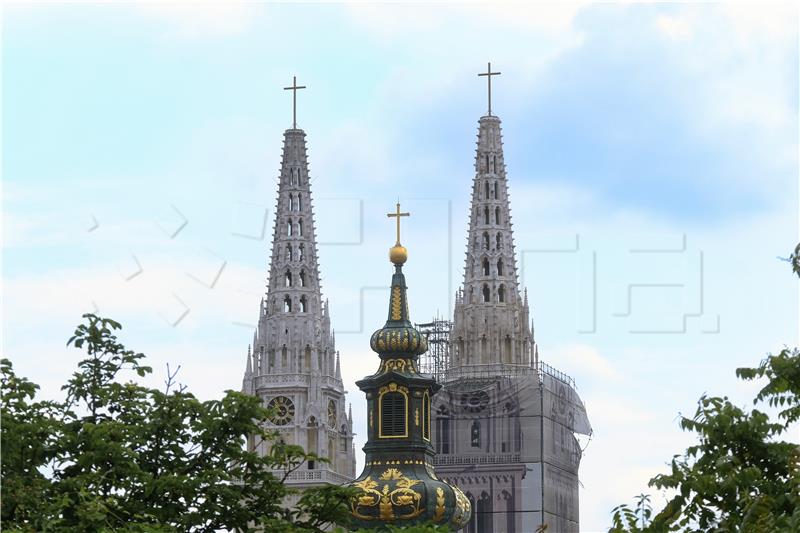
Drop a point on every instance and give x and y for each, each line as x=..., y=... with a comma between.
x=289, y=228
x=289, y=253
x=486, y=190
x=485, y=267
x=426, y=416
x=496, y=217
x=495, y=190
x=498, y=239
x=392, y=414
x=291, y=202
x=302, y=250
x=499, y=267
x=475, y=434
x=300, y=225
x=287, y=304
x=487, y=162
x=485, y=293
x=501, y=293
x=486, y=215
x=288, y=279
x=485, y=240
x=302, y=278
x=303, y=304
x=299, y=202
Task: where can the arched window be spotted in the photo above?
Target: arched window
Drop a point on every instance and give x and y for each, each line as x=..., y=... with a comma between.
x=486, y=215
x=288, y=279
x=289, y=228
x=475, y=434
x=300, y=225
x=486, y=293
x=472, y=527
x=485, y=240
x=287, y=304
x=442, y=431
x=485, y=267
x=291, y=202
x=271, y=361
x=469, y=295
x=393, y=421
x=292, y=179
x=498, y=239
x=289, y=252
x=499, y=267
x=501, y=293
x=312, y=439
x=302, y=250
x=486, y=190
x=484, y=512
x=496, y=217
x=426, y=416
x=302, y=278
x=495, y=190
x=299, y=202
x=303, y=304
x=487, y=162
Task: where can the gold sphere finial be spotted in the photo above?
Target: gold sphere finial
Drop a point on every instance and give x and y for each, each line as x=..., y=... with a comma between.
x=398, y=254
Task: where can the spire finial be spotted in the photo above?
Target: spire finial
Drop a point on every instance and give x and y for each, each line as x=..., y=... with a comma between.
x=398, y=254
x=489, y=75
x=294, y=88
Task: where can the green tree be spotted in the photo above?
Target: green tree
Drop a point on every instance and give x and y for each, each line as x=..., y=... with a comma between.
x=118, y=456
x=740, y=476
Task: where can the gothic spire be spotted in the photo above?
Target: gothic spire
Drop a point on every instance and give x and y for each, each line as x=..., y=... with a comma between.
x=491, y=319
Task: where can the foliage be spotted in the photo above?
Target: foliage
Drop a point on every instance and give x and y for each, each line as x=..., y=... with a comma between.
x=118, y=456
x=740, y=476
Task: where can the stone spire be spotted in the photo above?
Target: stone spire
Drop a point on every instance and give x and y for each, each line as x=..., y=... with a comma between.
x=293, y=367
x=490, y=322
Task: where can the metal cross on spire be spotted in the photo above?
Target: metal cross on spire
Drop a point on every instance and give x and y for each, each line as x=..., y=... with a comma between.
x=294, y=89
x=397, y=214
x=489, y=75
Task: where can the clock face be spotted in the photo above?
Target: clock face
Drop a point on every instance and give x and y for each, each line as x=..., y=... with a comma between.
x=475, y=402
x=282, y=410
x=331, y=414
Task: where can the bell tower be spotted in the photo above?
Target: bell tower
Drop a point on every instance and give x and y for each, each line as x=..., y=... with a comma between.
x=398, y=485
x=293, y=364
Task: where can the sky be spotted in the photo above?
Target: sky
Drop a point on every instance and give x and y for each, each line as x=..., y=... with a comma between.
x=651, y=149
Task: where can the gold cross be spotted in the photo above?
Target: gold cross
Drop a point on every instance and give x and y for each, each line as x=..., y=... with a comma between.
x=397, y=214
x=294, y=88
x=489, y=75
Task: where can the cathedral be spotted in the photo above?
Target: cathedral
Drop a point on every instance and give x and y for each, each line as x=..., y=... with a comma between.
x=494, y=449
x=293, y=364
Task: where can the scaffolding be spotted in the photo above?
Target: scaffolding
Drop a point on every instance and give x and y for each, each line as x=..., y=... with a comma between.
x=436, y=360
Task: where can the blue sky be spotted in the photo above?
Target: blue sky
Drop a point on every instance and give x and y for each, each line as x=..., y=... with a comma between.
x=627, y=126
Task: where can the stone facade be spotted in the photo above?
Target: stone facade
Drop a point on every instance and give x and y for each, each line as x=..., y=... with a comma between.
x=504, y=422
x=293, y=364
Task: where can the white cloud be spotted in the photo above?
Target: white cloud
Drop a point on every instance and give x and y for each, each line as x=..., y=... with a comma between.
x=674, y=27
x=190, y=19
x=585, y=360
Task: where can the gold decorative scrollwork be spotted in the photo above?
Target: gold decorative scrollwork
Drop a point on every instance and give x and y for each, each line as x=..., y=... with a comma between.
x=395, y=501
x=391, y=387
x=463, y=508
x=398, y=365
x=439, y=513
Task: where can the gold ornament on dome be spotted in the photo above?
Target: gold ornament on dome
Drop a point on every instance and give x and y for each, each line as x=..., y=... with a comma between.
x=439, y=513
x=396, y=303
x=396, y=500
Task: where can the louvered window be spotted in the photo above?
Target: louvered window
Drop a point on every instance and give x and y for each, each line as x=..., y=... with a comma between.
x=393, y=415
